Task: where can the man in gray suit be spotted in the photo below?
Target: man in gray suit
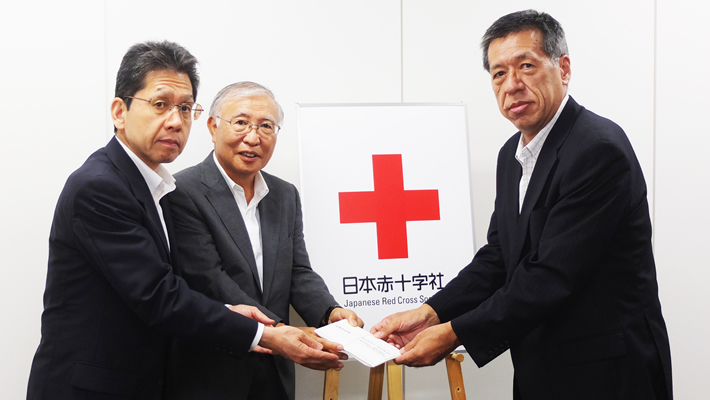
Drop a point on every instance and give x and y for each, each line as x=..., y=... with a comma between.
x=240, y=234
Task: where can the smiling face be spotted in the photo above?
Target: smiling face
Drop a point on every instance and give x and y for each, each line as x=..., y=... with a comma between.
x=528, y=86
x=155, y=139
x=243, y=155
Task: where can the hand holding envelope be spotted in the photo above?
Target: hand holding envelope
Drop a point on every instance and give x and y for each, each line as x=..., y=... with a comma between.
x=359, y=343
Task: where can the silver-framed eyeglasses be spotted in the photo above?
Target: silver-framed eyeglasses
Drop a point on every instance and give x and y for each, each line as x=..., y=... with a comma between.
x=243, y=126
x=161, y=105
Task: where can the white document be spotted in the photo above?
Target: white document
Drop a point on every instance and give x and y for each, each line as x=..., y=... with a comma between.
x=359, y=343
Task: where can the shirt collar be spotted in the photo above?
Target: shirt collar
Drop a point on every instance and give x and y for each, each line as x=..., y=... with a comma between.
x=535, y=145
x=260, y=187
x=160, y=182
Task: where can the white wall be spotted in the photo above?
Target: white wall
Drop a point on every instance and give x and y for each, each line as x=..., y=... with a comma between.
x=682, y=190
x=630, y=62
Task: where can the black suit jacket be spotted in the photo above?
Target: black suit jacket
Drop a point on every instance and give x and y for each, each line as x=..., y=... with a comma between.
x=569, y=283
x=113, y=299
x=218, y=260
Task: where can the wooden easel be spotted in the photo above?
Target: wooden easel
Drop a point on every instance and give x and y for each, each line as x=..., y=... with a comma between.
x=394, y=380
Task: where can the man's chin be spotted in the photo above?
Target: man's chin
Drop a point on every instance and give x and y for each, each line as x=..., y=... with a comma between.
x=168, y=158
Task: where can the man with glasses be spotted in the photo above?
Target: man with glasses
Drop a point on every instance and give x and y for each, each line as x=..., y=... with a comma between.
x=114, y=298
x=240, y=234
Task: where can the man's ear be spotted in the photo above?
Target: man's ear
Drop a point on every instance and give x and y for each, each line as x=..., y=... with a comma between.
x=118, y=112
x=212, y=126
x=565, y=69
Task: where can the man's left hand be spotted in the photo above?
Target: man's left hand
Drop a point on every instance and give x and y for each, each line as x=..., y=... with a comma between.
x=341, y=313
x=429, y=347
x=328, y=346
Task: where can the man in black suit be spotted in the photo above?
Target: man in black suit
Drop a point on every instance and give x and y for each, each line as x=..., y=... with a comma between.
x=240, y=233
x=567, y=280
x=114, y=297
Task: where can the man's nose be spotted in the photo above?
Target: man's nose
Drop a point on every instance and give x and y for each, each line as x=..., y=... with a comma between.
x=174, y=119
x=512, y=83
x=251, y=136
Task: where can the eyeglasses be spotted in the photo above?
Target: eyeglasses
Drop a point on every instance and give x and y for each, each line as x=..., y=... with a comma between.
x=242, y=126
x=160, y=106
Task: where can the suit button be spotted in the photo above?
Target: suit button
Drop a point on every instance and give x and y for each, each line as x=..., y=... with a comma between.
x=160, y=382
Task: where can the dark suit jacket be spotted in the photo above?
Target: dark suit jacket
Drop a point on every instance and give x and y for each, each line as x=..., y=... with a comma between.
x=569, y=284
x=112, y=298
x=218, y=260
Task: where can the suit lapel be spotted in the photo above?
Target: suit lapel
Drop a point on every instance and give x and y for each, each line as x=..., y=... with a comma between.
x=543, y=167
x=512, y=177
x=270, y=217
x=167, y=214
x=139, y=187
x=222, y=200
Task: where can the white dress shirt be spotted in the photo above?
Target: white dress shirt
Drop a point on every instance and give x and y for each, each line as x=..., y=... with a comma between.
x=527, y=154
x=160, y=182
x=250, y=215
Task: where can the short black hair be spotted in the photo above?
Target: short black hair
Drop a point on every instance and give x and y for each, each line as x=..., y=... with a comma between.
x=143, y=58
x=554, y=44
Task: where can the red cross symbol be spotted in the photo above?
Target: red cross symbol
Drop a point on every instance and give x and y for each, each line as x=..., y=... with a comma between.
x=389, y=206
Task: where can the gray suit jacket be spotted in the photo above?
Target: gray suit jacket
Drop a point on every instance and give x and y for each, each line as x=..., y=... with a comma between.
x=218, y=260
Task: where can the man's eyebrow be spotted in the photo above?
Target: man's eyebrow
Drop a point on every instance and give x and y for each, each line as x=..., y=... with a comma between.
x=243, y=114
x=521, y=56
x=169, y=93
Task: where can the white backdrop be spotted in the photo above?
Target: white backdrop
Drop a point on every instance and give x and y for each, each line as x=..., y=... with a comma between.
x=338, y=144
x=634, y=61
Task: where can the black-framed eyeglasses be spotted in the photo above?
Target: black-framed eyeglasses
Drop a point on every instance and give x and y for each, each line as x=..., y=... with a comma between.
x=242, y=126
x=161, y=105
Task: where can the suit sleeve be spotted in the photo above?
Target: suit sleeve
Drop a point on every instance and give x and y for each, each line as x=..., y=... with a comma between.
x=199, y=256
x=481, y=278
x=475, y=283
x=309, y=294
x=112, y=230
x=574, y=230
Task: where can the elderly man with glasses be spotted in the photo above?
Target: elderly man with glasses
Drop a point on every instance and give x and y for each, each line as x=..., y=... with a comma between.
x=114, y=298
x=240, y=234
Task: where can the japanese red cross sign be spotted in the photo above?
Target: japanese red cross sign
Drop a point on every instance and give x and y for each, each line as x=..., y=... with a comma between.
x=386, y=201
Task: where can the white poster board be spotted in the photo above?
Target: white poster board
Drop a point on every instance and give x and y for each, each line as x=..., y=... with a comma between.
x=386, y=201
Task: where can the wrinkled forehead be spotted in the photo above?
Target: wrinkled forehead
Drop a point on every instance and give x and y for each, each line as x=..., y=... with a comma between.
x=516, y=46
x=262, y=107
x=166, y=83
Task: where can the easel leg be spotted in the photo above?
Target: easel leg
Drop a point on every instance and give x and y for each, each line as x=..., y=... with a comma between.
x=453, y=370
x=332, y=380
x=394, y=381
x=377, y=379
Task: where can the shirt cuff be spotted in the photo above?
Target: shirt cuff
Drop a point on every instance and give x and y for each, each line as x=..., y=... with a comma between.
x=257, y=337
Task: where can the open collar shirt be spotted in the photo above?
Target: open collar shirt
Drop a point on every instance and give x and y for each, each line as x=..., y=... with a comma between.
x=250, y=213
x=160, y=182
x=527, y=154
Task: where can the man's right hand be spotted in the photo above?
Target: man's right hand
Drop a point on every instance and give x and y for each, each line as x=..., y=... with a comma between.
x=401, y=328
x=296, y=345
x=252, y=312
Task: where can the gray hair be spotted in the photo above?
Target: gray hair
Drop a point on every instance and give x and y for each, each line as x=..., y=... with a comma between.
x=554, y=44
x=240, y=90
